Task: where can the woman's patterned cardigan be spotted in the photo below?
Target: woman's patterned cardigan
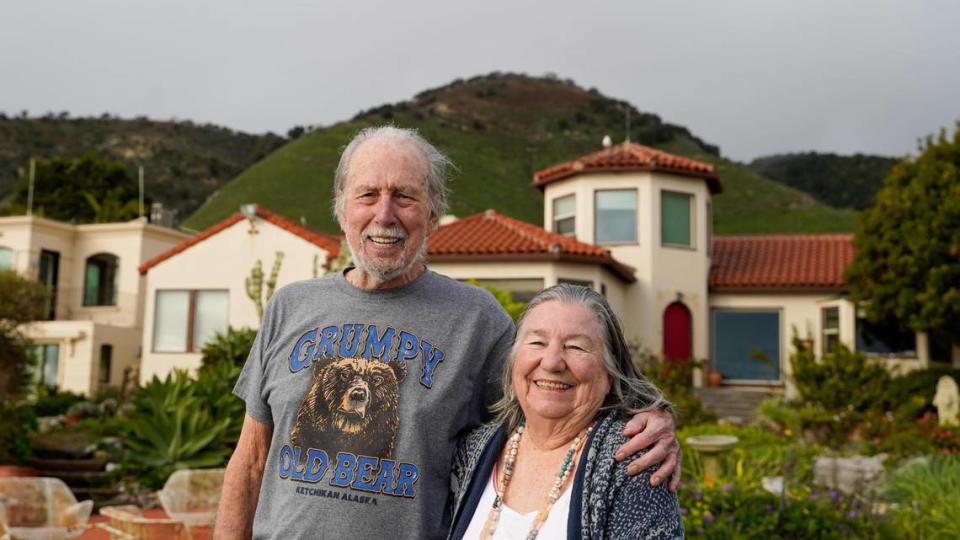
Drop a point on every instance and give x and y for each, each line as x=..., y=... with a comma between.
x=605, y=501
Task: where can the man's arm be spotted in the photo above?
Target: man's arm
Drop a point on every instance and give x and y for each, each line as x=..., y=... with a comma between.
x=656, y=428
x=241, y=482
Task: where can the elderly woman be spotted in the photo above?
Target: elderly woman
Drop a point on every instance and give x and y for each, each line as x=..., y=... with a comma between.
x=545, y=467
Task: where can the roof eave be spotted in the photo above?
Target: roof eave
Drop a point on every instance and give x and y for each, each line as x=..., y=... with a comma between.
x=713, y=181
x=759, y=289
x=623, y=271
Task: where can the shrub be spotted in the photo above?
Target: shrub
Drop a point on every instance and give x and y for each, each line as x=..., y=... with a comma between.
x=928, y=493
x=232, y=346
x=675, y=380
x=913, y=392
x=53, y=402
x=840, y=381
x=732, y=511
x=16, y=423
x=758, y=453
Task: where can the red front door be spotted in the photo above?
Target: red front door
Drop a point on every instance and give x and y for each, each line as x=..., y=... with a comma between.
x=677, y=333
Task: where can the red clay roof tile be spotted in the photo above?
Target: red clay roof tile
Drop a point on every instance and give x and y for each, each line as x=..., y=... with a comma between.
x=781, y=262
x=493, y=236
x=630, y=156
x=328, y=242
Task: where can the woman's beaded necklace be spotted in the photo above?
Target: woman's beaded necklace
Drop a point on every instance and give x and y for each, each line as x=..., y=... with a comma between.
x=565, y=467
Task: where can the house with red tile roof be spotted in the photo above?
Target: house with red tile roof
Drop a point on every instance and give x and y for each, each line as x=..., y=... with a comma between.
x=635, y=224
x=198, y=287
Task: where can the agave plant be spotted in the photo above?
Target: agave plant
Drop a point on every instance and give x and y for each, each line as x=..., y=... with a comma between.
x=173, y=428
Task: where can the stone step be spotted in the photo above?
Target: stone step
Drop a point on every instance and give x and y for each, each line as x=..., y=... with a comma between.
x=734, y=402
x=61, y=464
x=76, y=479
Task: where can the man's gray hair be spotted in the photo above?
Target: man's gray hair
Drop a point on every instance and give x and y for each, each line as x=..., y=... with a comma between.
x=630, y=392
x=437, y=165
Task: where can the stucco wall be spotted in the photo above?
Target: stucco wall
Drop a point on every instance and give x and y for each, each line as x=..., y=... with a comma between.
x=665, y=273
x=223, y=262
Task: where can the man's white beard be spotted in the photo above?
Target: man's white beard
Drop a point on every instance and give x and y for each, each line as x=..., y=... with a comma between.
x=384, y=274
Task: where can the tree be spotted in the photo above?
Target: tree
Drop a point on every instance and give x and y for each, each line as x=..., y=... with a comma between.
x=906, y=265
x=21, y=301
x=86, y=189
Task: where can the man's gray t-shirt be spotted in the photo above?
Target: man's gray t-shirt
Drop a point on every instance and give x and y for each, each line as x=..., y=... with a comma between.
x=367, y=393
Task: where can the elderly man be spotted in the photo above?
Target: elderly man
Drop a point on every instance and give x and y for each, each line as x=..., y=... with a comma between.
x=360, y=382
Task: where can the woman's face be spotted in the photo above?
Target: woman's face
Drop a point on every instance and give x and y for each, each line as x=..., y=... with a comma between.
x=558, y=371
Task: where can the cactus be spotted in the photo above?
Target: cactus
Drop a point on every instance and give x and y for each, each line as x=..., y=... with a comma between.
x=255, y=283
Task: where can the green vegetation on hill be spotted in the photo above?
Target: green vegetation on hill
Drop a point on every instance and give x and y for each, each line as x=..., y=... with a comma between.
x=499, y=129
x=840, y=181
x=183, y=162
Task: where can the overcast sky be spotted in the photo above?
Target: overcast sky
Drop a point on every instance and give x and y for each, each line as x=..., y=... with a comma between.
x=755, y=77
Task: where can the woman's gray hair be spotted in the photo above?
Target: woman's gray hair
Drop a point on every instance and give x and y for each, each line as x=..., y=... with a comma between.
x=630, y=392
x=437, y=164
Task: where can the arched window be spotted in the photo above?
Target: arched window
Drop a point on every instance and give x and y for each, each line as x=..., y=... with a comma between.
x=100, y=280
x=6, y=259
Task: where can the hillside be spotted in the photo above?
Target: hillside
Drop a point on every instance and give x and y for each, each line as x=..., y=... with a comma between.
x=839, y=181
x=499, y=129
x=183, y=162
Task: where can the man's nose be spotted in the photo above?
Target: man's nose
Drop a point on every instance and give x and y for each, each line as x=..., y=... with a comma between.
x=385, y=211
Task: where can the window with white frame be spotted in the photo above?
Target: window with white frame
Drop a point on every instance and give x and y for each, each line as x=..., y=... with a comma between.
x=830, y=320
x=564, y=215
x=185, y=320
x=6, y=259
x=676, y=219
x=616, y=216
x=46, y=367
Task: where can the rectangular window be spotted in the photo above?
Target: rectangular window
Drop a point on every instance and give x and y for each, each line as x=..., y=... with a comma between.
x=885, y=339
x=564, y=218
x=616, y=216
x=106, y=362
x=676, y=223
x=210, y=317
x=46, y=369
x=831, y=329
x=746, y=344
x=185, y=320
x=6, y=259
x=49, y=275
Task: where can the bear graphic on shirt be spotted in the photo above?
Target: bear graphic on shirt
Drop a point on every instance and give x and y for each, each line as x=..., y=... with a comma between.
x=351, y=406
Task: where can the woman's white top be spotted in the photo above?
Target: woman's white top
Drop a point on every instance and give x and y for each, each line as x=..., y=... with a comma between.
x=515, y=526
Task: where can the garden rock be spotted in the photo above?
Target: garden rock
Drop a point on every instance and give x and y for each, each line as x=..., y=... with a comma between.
x=849, y=475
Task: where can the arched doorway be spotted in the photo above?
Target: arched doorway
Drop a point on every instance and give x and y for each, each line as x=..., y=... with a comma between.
x=677, y=333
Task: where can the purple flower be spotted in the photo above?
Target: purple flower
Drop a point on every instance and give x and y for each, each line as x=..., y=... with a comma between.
x=708, y=517
x=834, y=495
x=852, y=514
x=698, y=495
x=727, y=488
x=684, y=512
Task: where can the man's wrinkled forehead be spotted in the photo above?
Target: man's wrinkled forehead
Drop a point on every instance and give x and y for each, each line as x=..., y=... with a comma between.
x=385, y=159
